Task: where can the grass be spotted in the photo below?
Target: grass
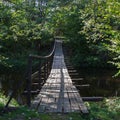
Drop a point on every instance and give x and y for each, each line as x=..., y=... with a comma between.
x=4, y=99
x=109, y=109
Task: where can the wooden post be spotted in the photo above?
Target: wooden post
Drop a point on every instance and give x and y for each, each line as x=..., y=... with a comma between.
x=29, y=81
x=50, y=63
x=47, y=67
x=39, y=74
x=44, y=70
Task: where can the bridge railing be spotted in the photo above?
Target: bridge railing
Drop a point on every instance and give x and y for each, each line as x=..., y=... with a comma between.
x=45, y=63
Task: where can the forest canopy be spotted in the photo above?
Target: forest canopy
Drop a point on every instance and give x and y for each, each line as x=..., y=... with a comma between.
x=91, y=29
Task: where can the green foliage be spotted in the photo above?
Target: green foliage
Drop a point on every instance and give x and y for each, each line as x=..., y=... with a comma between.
x=105, y=110
x=22, y=31
x=102, y=28
x=92, y=28
x=22, y=113
x=4, y=100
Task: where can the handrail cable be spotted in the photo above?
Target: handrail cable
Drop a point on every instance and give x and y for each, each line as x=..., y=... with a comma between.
x=47, y=56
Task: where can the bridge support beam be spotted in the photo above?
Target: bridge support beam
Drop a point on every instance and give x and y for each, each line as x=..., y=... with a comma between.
x=94, y=99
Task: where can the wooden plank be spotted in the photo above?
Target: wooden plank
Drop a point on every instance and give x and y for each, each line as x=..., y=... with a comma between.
x=60, y=101
x=60, y=95
x=57, y=95
x=77, y=79
x=94, y=99
x=51, y=99
x=54, y=106
x=57, y=91
x=67, y=106
x=38, y=98
x=44, y=99
x=80, y=102
x=67, y=83
x=43, y=96
x=74, y=104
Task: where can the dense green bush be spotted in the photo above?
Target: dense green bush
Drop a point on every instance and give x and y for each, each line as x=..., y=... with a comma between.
x=22, y=32
x=91, y=28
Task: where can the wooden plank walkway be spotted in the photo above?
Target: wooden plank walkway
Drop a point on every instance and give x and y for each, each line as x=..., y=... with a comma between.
x=58, y=94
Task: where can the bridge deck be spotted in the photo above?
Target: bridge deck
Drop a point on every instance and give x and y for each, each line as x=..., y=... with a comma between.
x=58, y=94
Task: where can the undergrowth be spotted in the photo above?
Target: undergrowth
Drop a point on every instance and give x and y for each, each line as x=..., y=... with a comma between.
x=109, y=109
